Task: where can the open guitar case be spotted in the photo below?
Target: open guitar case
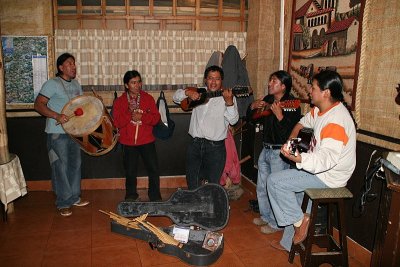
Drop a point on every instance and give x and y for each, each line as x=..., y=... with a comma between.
x=202, y=212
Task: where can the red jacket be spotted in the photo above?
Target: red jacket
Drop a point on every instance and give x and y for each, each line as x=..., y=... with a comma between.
x=127, y=130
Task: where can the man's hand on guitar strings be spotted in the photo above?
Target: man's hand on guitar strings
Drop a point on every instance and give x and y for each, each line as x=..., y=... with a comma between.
x=228, y=96
x=192, y=94
x=277, y=110
x=259, y=103
x=288, y=153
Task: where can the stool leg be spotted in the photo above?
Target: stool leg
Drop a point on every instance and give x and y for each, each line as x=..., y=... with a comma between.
x=329, y=226
x=310, y=235
x=304, y=204
x=342, y=232
x=297, y=248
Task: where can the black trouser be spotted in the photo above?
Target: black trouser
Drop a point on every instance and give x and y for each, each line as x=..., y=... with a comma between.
x=149, y=157
x=205, y=161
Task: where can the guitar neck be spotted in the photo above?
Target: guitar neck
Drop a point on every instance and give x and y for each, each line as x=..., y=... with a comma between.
x=287, y=105
x=188, y=104
x=210, y=94
x=236, y=90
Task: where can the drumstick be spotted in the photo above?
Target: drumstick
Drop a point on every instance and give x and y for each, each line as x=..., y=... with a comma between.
x=78, y=112
x=137, y=124
x=137, y=131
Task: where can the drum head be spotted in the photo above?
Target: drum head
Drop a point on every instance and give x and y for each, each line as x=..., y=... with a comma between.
x=87, y=122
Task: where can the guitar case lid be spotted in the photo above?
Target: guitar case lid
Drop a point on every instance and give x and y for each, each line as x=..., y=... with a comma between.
x=206, y=207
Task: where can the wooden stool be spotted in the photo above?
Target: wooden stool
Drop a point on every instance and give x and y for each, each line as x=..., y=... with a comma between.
x=336, y=253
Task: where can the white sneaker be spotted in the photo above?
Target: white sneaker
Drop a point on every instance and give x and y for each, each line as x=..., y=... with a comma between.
x=259, y=221
x=266, y=229
x=81, y=203
x=65, y=212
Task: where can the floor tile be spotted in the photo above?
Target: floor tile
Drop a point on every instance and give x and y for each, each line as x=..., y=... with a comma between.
x=69, y=240
x=23, y=224
x=118, y=256
x=106, y=238
x=244, y=238
x=174, y=264
x=32, y=259
x=81, y=219
x=20, y=244
x=68, y=257
x=239, y=219
x=151, y=257
x=266, y=256
x=229, y=259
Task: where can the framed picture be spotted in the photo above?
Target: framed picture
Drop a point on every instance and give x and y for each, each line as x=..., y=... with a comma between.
x=326, y=34
x=25, y=68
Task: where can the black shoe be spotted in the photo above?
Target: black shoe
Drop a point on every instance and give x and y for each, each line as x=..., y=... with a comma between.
x=155, y=197
x=132, y=198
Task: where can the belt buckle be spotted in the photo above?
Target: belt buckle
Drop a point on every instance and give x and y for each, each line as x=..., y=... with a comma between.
x=268, y=146
x=272, y=146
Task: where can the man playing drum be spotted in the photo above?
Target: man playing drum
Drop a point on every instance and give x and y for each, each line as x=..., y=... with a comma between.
x=64, y=153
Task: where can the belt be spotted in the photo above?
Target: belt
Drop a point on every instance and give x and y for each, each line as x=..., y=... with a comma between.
x=204, y=140
x=269, y=146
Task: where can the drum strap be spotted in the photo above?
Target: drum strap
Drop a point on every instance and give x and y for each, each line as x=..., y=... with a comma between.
x=65, y=89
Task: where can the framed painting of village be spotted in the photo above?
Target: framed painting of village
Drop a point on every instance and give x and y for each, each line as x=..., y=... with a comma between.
x=326, y=34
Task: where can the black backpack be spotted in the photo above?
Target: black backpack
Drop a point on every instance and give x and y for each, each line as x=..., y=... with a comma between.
x=165, y=127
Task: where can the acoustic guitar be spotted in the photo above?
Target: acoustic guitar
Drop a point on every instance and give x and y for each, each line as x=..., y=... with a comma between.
x=302, y=142
x=287, y=105
x=188, y=104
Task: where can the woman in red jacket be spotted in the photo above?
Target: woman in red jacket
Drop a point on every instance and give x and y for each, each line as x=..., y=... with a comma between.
x=135, y=114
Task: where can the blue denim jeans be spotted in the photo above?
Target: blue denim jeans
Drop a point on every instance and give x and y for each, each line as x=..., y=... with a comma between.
x=65, y=162
x=288, y=232
x=285, y=190
x=149, y=156
x=205, y=161
x=269, y=161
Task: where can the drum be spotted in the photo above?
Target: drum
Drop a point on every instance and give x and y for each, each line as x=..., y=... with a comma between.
x=92, y=127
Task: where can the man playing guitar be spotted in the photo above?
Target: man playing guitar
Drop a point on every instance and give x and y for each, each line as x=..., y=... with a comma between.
x=208, y=127
x=277, y=126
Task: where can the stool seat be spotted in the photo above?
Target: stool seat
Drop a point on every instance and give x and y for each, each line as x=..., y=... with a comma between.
x=336, y=252
x=318, y=193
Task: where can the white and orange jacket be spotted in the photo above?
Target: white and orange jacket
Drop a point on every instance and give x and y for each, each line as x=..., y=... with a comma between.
x=333, y=156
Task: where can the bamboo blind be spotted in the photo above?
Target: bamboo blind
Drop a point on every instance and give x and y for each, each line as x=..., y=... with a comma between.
x=376, y=110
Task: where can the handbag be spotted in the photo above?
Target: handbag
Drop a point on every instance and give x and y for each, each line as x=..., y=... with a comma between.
x=165, y=127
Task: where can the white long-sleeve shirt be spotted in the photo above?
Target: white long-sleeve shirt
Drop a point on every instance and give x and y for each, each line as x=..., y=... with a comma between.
x=210, y=120
x=333, y=157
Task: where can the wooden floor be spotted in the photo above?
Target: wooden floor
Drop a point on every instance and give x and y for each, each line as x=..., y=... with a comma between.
x=36, y=235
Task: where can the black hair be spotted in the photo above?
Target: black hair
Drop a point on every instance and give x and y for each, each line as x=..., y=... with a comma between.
x=285, y=79
x=60, y=60
x=212, y=69
x=129, y=75
x=329, y=79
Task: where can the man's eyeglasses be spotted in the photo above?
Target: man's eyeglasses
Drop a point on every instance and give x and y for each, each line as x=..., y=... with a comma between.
x=213, y=79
